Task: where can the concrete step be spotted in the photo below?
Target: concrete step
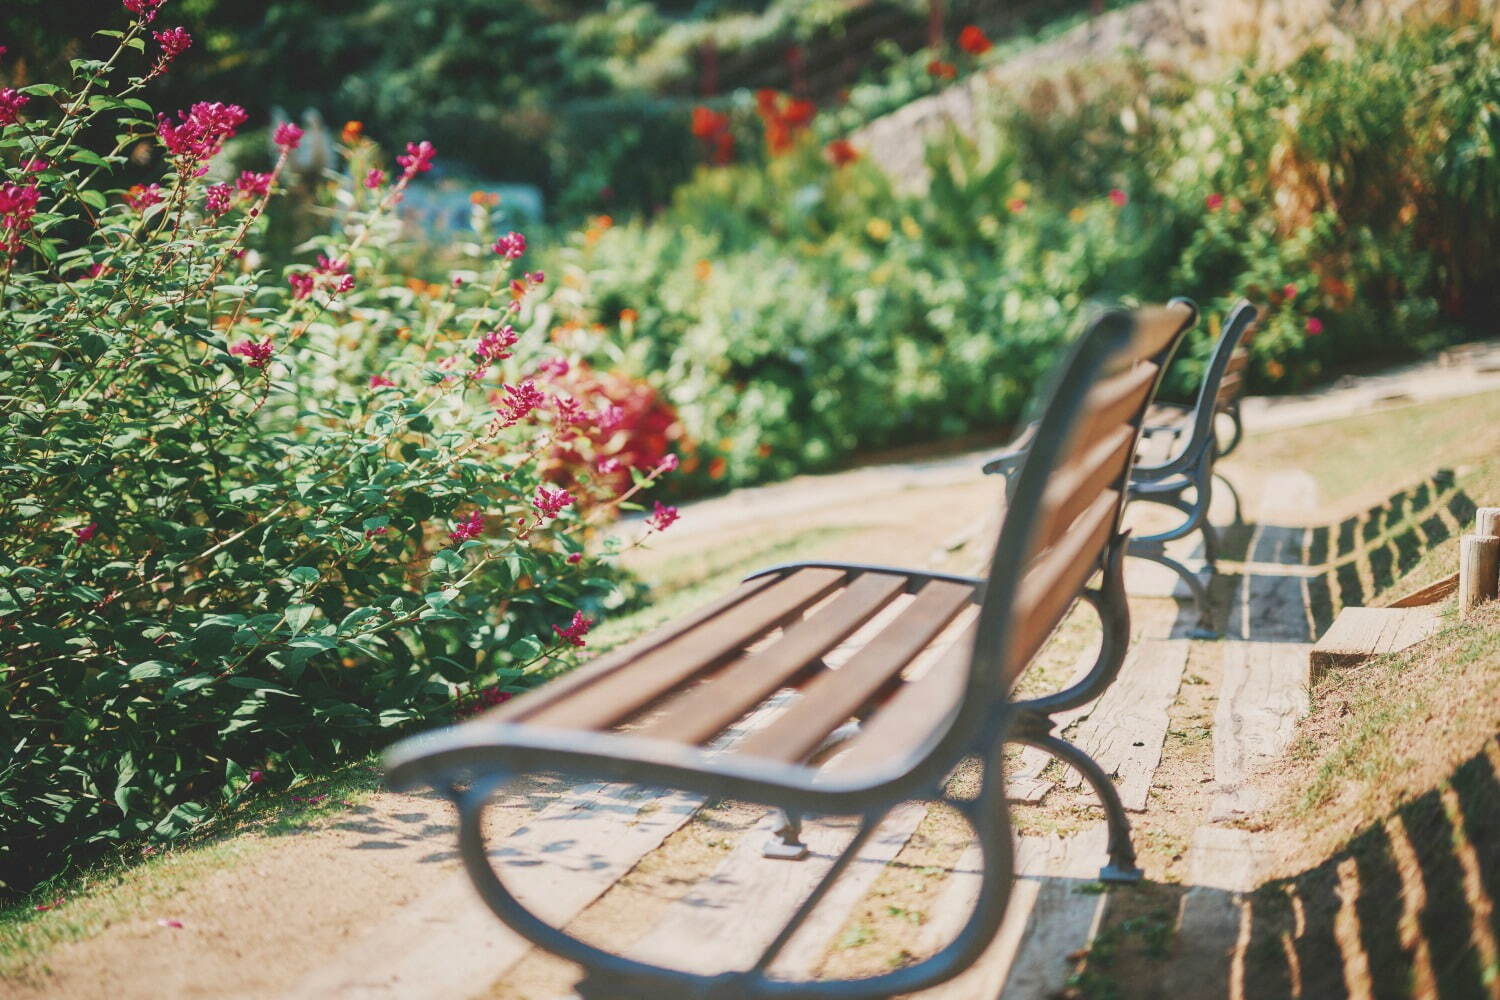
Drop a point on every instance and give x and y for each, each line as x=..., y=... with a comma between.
x=1359, y=634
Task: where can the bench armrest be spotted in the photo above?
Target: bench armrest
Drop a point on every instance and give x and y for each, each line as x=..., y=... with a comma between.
x=1009, y=460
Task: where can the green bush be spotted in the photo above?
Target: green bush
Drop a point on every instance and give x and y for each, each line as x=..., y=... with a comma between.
x=799, y=311
x=253, y=523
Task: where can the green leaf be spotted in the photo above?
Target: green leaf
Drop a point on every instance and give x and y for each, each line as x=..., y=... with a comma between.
x=298, y=615
x=152, y=670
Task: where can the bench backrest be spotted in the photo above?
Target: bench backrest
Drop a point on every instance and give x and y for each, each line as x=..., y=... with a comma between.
x=1065, y=506
x=1222, y=384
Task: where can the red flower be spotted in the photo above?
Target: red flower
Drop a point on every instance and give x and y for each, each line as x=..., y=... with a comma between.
x=1118, y=197
x=708, y=123
x=662, y=517
x=1214, y=202
x=799, y=112
x=1016, y=205
x=842, y=152
x=550, y=503
x=256, y=777
x=374, y=179
x=510, y=246
x=381, y=382
x=576, y=630
x=1314, y=326
x=253, y=185
x=144, y=9
x=216, y=198
x=87, y=532
x=1289, y=291
x=575, y=558
x=766, y=101
x=138, y=197
x=473, y=527
x=255, y=355
x=200, y=132
x=287, y=137
x=17, y=206
x=174, y=42
x=974, y=41
x=939, y=70
x=11, y=103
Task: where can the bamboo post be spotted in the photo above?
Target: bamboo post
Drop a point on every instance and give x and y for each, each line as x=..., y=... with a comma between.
x=1479, y=562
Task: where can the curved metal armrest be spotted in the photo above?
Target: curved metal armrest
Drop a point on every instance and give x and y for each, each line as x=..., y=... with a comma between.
x=1009, y=460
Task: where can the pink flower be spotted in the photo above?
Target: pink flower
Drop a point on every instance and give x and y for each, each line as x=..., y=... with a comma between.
x=471, y=528
x=376, y=532
x=255, y=355
x=216, y=198
x=536, y=277
x=288, y=136
x=167, y=921
x=662, y=517
x=253, y=185
x=608, y=466
x=1289, y=291
x=475, y=702
x=668, y=464
x=610, y=417
x=11, y=103
x=510, y=246
x=200, y=132
x=144, y=9
x=302, y=283
x=138, y=197
x=575, y=558
x=1118, y=197
x=553, y=367
x=87, y=532
x=576, y=630
x=550, y=503
x=174, y=42
x=496, y=345
x=519, y=401
x=374, y=179
x=256, y=777
x=1214, y=202
x=381, y=382
x=17, y=206
x=417, y=159
x=1314, y=326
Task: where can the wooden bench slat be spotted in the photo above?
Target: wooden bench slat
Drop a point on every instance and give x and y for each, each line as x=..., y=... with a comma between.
x=1237, y=361
x=1114, y=401
x=909, y=715
x=528, y=704
x=832, y=697
x=1075, y=487
x=1229, y=390
x=614, y=696
x=1056, y=576
x=1155, y=326
x=729, y=694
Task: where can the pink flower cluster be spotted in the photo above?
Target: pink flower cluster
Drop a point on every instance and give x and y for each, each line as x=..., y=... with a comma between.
x=550, y=503
x=374, y=179
x=11, y=103
x=331, y=275
x=287, y=137
x=216, y=198
x=253, y=185
x=146, y=10
x=200, y=132
x=473, y=527
x=255, y=355
x=477, y=701
x=17, y=206
x=662, y=517
x=518, y=401
x=381, y=382
x=510, y=246
x=140, y=197
x=576, y=630
x=496, y=345
x=417, y=159
x=87, y=532
x=174, y=42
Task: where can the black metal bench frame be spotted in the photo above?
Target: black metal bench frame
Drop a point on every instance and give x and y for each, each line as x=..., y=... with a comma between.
x=973, y=719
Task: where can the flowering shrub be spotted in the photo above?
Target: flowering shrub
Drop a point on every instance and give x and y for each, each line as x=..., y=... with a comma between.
x=252, y=522
x=797, y=312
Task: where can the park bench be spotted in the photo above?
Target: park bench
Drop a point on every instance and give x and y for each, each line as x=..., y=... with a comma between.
x=1183, y=479
x=887, y=726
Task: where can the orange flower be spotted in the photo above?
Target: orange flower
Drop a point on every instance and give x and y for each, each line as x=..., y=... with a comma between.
x=704, y=269
x=602, y=221
x=627, y=315
x=717, y=468
x=352, y=131
x=939, y=70
x=707, y=122
x=842, y=152
x=974, y=41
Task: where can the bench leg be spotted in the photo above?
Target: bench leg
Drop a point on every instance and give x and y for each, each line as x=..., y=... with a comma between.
x=1122, y=866
x=1153, y=551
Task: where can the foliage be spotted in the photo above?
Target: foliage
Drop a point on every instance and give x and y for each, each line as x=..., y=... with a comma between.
x=800, y=311
x=252, y=522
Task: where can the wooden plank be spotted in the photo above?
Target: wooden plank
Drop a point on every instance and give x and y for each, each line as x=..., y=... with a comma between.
x=1115, y=400
x=1053, y=581
x=1430, y=594
x=812, y=941
x=555, y=690
x=1124, y=733
x=447, y=943
x=1046, y=921
x=832, y=697
x=1262, y=695
x=730, y=693
x=1213, y=922
x=1358, y=634
x=726, y=920
x=1075, y=487
x=617, y=695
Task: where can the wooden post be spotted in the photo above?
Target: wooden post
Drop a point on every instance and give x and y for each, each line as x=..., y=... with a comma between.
x=1478, y=571
x=1487, y=521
